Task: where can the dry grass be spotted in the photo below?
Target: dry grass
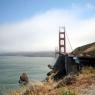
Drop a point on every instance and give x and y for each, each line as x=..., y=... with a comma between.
x=44, y=90
x=15, y=93
x=84, y=80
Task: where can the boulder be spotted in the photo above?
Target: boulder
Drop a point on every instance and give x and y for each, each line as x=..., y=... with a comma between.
x=35, y=83
x=23, y=79
x=69, y=79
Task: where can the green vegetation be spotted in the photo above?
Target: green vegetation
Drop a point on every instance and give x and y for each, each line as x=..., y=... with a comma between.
x=88, y=49
x=68, y=93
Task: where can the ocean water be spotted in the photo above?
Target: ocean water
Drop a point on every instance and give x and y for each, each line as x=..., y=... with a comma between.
x=11, y=67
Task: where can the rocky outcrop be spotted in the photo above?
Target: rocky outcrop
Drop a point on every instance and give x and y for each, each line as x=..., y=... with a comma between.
x=23, y=79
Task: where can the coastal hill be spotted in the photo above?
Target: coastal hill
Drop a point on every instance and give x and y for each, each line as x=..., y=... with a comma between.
x=88, y=49
x=30, y=54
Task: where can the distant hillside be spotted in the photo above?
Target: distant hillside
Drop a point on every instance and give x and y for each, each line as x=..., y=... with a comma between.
x=30, y=54
x=88, y=49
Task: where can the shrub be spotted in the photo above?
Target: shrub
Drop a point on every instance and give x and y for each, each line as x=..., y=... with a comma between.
x=68, y=93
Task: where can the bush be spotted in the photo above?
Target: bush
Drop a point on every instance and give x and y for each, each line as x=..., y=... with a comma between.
x=68, y=93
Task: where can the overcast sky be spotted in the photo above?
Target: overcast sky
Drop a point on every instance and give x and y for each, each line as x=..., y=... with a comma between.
x=32, y=25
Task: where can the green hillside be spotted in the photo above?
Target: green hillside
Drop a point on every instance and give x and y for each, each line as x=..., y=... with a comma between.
x=88, y=49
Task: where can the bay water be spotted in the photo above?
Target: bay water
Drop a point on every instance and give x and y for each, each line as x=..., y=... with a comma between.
x=11, y=67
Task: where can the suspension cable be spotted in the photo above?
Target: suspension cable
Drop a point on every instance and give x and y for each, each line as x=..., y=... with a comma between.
x=69, y=41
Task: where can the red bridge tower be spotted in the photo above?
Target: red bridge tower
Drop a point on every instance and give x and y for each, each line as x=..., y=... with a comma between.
x=62, y=41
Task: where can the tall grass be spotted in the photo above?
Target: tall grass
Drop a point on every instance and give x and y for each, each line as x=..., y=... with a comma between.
x=88, y=70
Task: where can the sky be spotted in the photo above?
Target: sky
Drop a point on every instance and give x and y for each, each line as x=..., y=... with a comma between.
x=33, y=25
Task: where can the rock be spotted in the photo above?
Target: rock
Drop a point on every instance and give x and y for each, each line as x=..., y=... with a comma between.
x=35, y=83
x=69, y=79
x=49, y=73
x=23, y=79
